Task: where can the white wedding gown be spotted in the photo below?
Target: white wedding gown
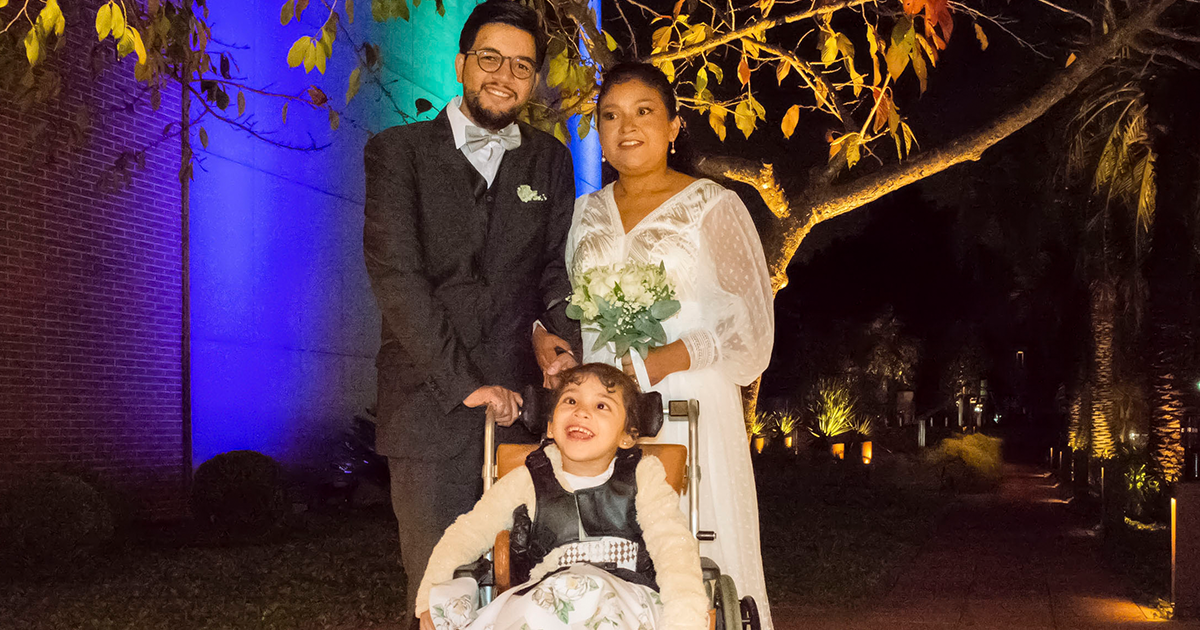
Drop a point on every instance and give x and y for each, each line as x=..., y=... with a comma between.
x=715, y=262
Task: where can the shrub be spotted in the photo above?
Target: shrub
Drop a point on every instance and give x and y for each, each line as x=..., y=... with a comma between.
x=970, y=463
x=239, y=493
x=834, y=409
x=52, y=521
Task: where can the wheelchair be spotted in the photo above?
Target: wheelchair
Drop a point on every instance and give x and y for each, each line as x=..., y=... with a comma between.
x=492, y=572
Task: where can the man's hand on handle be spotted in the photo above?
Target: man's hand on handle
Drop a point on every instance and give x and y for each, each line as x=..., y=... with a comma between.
x=553, y=355
x=502, y=404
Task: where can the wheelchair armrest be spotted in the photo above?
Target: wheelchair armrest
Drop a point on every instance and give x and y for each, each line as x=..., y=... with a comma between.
x=709, y=569
x=480, y=570
x=503, y=572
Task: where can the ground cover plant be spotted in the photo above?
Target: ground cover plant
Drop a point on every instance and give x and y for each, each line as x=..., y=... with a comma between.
x=835, y=534
x=339, y=570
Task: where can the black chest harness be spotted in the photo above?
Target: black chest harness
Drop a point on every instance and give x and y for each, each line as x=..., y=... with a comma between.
x=562, y=518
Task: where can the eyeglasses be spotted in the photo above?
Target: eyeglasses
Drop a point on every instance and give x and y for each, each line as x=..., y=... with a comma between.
x=490, y=61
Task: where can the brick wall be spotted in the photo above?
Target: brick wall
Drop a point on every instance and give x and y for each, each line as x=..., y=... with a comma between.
x=90, y=288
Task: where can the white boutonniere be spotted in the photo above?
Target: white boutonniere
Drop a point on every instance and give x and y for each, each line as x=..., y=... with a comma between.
x=527, y=194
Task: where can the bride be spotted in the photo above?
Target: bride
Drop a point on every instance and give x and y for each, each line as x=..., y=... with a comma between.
x=722, y=335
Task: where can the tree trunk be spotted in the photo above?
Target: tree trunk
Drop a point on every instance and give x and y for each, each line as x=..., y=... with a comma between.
x=1103, y=323
x=1077, y=427
x=1166, y=423
x=796, y=214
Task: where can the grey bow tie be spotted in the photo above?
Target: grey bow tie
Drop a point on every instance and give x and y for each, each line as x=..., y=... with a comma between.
x=478, y=137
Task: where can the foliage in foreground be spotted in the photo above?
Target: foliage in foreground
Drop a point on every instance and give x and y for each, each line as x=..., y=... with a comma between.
x=51, y=521
x=969, y=462
x=833, y=540
x=338, y=571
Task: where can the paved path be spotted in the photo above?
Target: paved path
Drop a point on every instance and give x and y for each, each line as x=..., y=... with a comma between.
x=1019, y=558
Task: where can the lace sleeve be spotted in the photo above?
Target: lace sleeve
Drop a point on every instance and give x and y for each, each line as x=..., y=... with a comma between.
x=737, y=299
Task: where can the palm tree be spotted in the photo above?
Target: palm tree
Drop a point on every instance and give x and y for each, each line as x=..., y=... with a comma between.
x=1111, y=145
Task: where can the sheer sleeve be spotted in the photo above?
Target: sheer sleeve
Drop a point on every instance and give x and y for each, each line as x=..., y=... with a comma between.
x=739, y=314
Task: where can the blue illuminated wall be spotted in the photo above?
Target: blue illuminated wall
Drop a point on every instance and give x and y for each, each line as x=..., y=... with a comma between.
x=284, y=326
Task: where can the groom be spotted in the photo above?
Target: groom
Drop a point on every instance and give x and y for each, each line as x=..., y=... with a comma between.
x=466, y=225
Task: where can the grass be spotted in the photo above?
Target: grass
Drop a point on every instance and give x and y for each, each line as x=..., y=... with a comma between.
x=1142, y=556
x=828, y=539
x=832, y=539
x=331, y=571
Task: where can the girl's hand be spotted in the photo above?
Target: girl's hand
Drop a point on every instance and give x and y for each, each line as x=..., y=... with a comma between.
x=427, y=621
x=660, y=362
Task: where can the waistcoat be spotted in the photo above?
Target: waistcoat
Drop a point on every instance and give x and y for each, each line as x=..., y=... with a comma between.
x=564, y=517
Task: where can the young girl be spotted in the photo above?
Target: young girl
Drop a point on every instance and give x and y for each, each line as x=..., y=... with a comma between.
x=599, y=526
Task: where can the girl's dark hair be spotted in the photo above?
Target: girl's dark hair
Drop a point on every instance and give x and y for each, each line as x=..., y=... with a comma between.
x=647, y=74
x=502, y=12
x=613, y=380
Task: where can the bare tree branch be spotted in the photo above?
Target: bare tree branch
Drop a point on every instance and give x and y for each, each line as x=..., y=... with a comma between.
x=1167, y=52
x=824, y=204
x=998, y=23
x=579, y=13
x=804, y=67
x=753, y=29
x=1183, y=37
x=1069, y=12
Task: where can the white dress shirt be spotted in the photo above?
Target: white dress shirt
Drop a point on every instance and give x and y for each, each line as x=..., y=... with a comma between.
x=486, y=160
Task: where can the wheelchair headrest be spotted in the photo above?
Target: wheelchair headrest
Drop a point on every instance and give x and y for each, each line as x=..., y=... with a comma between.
x=537, y=408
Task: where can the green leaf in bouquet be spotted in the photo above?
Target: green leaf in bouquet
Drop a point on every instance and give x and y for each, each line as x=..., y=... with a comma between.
x=641, y=347
x=608, y=311
x=622, y=346
x=664, y=309
x=575, y=312
x=657, y=334
x=606, y=335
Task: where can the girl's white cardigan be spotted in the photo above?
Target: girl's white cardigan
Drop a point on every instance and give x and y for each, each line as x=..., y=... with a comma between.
x=669, y=541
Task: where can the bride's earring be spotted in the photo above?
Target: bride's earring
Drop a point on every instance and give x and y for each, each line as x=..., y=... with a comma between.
x=602, y=158
x=626, y=442
x=672, y=147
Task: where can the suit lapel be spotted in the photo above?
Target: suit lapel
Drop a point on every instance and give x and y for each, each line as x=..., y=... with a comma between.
x=453, y=156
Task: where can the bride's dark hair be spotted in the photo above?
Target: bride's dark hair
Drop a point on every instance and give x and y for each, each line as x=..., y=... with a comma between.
x=647, y=74
x=655, y=79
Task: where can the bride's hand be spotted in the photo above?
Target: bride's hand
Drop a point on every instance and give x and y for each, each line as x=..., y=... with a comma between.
x=660, y=362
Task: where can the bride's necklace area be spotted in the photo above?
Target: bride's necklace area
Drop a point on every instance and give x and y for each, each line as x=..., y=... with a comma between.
x=633, y=207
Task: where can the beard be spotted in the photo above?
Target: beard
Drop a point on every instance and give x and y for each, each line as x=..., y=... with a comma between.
x=487, y=118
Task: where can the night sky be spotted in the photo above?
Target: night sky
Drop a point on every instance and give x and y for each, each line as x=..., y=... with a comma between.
x=984, y=252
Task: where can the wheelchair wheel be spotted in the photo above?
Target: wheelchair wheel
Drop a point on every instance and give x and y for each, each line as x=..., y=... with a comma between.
x=729, y=609
x=750, y=614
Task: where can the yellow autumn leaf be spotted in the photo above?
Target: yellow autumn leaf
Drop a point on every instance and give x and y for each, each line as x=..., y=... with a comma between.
x=716, y=120
x=139, y=46
x=52, y=18
x=103, y=20
x=296, y=55
x=1070, y=60
x=744, y=118
x=609, y=42
x=33, y=46
x=355, y=81
x=118, y=22
x=661, y=38
x=981, y=36
x=789, y=121
x=668, y=69
x=782, y=69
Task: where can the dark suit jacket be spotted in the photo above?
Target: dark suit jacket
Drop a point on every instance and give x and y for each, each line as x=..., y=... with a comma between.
x=461, y=271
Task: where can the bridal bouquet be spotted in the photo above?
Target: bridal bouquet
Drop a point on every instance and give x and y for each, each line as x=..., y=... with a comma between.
x=625, y=304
